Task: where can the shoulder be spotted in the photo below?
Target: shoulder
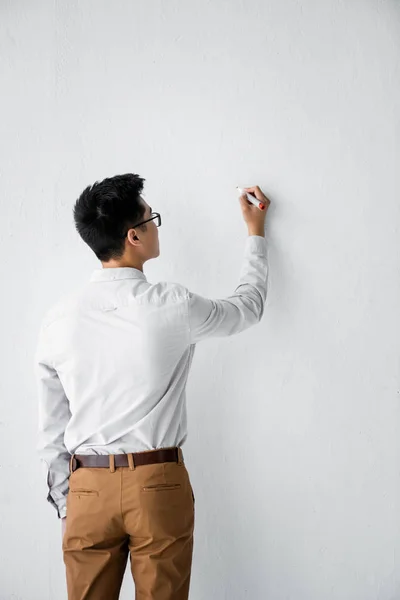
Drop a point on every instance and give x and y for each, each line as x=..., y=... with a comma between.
x=167, y=291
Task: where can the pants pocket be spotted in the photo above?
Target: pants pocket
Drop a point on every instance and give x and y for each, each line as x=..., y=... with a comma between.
x=159, y=487
x=84, y=492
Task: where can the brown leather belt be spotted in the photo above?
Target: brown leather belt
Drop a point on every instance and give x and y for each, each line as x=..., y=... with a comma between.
x=131, y=459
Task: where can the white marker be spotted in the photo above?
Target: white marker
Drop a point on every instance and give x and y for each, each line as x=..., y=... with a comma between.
x=251, y=198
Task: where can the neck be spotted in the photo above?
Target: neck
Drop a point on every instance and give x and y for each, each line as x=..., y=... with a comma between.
x=113, y=264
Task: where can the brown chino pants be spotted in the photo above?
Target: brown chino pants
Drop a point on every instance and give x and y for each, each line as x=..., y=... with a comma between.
x=146, y=511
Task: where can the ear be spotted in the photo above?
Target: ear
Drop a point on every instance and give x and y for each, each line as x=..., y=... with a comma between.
x=135, y=237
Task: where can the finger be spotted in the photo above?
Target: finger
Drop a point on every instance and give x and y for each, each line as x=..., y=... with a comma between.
x=256, y=191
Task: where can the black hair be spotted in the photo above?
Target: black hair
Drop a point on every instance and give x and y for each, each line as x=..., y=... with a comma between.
x=105, y=211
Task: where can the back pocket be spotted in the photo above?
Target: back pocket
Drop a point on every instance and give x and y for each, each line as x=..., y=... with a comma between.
x=84, y=492
x=160, y=487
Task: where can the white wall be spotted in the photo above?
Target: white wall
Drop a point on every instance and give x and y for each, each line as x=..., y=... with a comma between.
x=293, y=445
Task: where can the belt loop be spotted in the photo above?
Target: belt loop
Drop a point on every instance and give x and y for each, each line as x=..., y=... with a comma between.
x=131, y=461
x=71, y=463
x=180, y=456
x=112, y=463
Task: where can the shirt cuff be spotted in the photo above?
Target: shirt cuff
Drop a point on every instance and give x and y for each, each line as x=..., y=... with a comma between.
x=256, y=243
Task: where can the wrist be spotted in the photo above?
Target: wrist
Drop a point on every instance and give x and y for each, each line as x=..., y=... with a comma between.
x=256, y=231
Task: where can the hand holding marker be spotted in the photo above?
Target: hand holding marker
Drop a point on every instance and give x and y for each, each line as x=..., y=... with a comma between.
x=259, y=203
x=254, y=204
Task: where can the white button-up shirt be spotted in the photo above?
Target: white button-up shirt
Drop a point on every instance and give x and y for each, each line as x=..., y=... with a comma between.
x=113, y=357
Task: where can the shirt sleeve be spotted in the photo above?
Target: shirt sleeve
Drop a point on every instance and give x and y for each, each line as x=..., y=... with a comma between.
x=54, y=414
x=245, y=307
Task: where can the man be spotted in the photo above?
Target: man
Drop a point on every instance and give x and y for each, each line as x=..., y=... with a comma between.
x=111, y=363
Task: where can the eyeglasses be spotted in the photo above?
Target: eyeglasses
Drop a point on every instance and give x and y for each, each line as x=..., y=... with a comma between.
x=155, y=215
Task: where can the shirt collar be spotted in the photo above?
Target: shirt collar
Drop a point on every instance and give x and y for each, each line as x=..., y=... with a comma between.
x=111, y=273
